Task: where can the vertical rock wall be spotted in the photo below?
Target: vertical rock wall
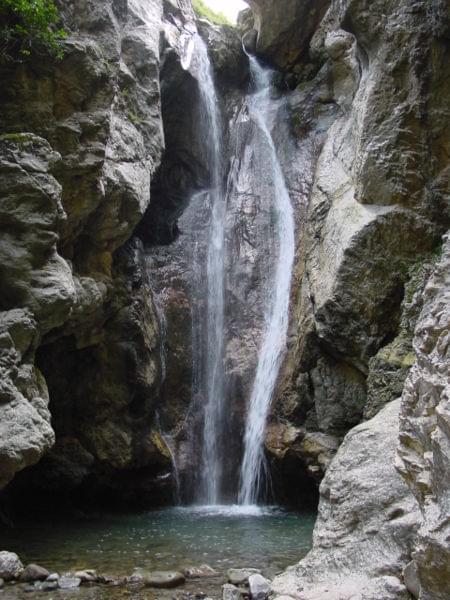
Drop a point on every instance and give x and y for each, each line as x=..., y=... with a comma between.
x=81, y=140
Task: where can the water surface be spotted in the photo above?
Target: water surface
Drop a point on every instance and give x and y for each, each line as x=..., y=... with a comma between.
x=223, y=537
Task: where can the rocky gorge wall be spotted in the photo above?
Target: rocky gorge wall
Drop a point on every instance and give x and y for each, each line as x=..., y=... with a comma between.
x=81, y=140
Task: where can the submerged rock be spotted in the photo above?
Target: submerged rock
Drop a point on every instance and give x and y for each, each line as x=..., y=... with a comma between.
x=199, y=572
x=164, y=579
x=68, y=583
x=10, y=565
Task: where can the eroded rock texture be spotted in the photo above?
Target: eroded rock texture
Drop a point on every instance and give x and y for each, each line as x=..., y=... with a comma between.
x=424, y=450
x=366, y=525
x=82, y=139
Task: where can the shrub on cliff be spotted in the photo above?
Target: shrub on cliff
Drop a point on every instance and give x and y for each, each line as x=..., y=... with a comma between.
x=202, y=10
x=28, y=27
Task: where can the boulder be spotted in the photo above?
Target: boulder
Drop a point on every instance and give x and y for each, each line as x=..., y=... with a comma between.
x=33, y=572
x=367, y=522
x=259, y=586
x=10, y=565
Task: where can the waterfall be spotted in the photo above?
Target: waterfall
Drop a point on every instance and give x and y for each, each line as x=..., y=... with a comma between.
x=276, y=315
x=212, y=376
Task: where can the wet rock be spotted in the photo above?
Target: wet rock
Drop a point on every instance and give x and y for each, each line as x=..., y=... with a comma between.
x=87, y=576
x=68, y=583
x=259, y=586
x=53, y=577
x=33, y=572
x=199, y=572
x=164, y=579
x=10, y=565
x=231, y=592
x=42, y=586
x=240, y=576
x=49, y=586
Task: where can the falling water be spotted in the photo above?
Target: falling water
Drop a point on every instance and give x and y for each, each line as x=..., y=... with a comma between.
x=277, y=310
x=212, y=380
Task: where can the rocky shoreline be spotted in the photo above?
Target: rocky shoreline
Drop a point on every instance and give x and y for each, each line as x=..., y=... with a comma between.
x=189, y=582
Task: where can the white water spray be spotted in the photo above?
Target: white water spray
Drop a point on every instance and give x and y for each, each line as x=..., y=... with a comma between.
x=276, y=316
x=212, y=379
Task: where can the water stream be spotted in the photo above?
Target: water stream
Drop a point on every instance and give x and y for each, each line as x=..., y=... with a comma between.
x=276, y=316
x=212, y=370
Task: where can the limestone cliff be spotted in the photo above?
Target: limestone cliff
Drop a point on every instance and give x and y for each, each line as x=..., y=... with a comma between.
x=81, y=139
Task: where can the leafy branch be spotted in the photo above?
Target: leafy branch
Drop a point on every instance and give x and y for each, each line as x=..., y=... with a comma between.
x=29, y=27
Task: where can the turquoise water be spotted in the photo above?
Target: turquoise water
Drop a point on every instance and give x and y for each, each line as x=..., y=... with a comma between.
x=223, y=537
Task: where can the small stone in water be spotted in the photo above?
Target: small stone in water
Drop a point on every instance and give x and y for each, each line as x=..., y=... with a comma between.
x=86, y=576
x=240, y=576
x=49, y=586
x=33, y=573
x=53, y=577
x=259, y=586
x=164, y=579
x=68, y=583
x=199, y=572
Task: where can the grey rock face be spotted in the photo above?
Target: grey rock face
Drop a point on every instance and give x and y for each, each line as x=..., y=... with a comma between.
x=367, y=522
x=10, y=565
x=285, y=28
x=73, y=191
x=423, y=455
x=25, y=430
x=389, y=368
x=33, y=273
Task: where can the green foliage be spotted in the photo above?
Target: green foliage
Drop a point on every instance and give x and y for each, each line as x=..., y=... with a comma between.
x=19, y=138
x=29, y=27
x=202, y=10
